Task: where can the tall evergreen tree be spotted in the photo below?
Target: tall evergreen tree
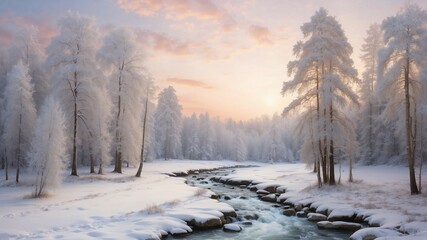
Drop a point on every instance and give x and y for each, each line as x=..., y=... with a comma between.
x=370, y=110
x=323, y=77
x=399, y=67
x=168, y=124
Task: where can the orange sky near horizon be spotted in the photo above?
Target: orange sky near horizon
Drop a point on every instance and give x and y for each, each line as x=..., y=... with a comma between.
x=225, y=57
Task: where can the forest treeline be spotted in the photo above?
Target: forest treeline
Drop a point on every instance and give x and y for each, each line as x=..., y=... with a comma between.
x=89, y=100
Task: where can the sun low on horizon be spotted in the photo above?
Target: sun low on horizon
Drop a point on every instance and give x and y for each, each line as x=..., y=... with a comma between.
x=225, y=57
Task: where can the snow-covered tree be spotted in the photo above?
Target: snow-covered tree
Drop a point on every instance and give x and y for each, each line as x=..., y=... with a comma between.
x=71, y=57
x=240, y=149
x=146, y=131
x=168, y=124
x=206, y=137
x=399, y=65
x=20, y=115
x=370, y=110
x=98, y=126
x=4, y=68
x=323, y=77
x=48, y=148
x=27, y=48
x=190, y=137
x=121, y=56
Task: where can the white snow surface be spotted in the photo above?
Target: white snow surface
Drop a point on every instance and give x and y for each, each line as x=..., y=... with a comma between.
x=120, y=206
x=113, y=206
x=379, y=193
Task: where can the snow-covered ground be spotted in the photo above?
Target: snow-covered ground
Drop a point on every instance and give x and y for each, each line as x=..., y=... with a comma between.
x=111, y=206
x=114, y=206
x=380, y=192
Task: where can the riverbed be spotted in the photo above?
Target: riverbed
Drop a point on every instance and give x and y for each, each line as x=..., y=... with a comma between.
x=258, y=219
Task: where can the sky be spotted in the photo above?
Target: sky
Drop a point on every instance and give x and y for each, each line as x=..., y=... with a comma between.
x=225, y=57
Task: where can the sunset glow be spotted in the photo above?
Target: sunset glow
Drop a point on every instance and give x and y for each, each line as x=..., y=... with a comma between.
x=224, y=57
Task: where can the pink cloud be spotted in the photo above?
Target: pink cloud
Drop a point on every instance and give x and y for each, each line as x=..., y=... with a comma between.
x=180, y=9
x=261, y=34
x=10, y=24
x=189, y=83
x=164, y=43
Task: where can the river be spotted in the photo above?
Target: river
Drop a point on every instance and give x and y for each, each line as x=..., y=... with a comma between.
x=270, y=223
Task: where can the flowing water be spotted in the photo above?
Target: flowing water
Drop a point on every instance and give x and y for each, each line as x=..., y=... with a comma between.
x=271, y=224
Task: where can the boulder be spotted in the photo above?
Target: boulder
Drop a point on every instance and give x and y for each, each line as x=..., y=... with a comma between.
x=247, y=223
x=251, y=216
x=262, y=192
x=269, y=198
x=339, y=225
x=345, y=215
x=373, y=233
x=289, y=212
x=209, y=223
x=301, y=214
x=232, y=227
x=316, y=217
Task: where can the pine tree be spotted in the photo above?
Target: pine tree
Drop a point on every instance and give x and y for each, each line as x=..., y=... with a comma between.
x=168, y=124
x=370, y=107
x=399, y=66
x=323, y=77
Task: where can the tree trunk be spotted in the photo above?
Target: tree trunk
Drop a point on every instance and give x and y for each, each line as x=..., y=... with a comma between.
x=331, y=164
x=138, y=173
x=350, y=176
x=92, y=160
x=18, y=157
x=74, y=160
x=410, y=142
x=6, y=166
x=100, y=168
x=319, y=178
x=118, y=155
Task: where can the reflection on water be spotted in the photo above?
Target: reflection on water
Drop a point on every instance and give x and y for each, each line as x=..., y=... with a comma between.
x=271, y=224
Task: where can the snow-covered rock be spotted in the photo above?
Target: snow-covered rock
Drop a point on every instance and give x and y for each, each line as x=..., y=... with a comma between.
x=373, y=233
x=339, y=225
x=414, y=227
x=346, y=215
x=231, y=227
x=269, y=197
x=316, y=217
x=262, y=192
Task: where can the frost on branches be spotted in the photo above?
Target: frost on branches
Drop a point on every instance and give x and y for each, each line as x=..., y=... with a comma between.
x=48, y=148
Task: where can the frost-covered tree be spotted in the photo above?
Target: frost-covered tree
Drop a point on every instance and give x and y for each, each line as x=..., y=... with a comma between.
x=48, y=148
x=206, y=137
x=121, y=56
x=97, y=123
x=168, y=124
x=146, y=131
x=27, y=48
x=20, y=115
x=190, y=137
x=71, y=58
x=370, y=110
x=4, y=68
x=240, y=149
x=323, y=77
x=399, y=65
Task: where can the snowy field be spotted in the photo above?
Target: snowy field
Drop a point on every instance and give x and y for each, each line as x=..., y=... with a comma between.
x=114, y=206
